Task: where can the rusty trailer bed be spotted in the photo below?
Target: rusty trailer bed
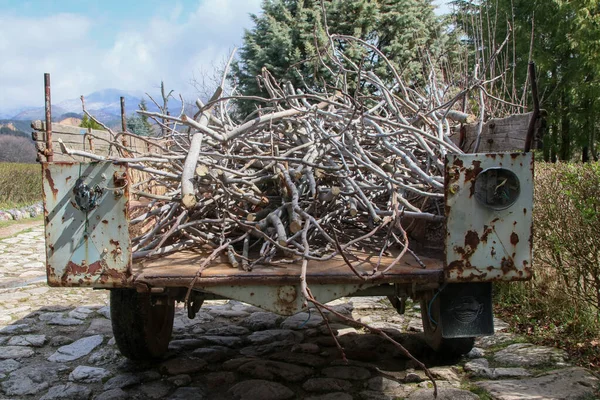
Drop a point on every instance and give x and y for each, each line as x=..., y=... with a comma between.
x=276, y=287
x=178, y=270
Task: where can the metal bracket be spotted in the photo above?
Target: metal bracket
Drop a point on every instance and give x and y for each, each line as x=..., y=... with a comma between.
x=194, y=304
x=86, y=198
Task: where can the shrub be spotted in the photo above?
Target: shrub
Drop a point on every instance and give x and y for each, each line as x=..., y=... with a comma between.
x=561, y=304
x=567, y=221
x=20, y=184
x=16, y=149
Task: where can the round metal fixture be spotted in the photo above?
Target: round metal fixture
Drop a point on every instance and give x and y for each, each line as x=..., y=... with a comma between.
x=497, y=188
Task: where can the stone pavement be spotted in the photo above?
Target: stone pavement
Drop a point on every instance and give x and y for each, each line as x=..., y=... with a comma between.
x=58, y=344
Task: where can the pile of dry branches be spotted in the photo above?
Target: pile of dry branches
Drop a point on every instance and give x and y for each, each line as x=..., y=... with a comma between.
x=309, y=175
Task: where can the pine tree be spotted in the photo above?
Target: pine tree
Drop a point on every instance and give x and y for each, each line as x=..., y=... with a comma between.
x=89, y=123
x=289, y=35
x=139, y=124
x=145, y=121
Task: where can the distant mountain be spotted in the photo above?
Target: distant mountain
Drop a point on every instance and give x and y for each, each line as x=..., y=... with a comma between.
x=14, y=125
x=33, y=113
x=15, y=128
x=107, y=100
x=103, y=104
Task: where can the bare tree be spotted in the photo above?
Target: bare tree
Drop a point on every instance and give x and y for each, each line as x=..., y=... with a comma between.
x=16, y=149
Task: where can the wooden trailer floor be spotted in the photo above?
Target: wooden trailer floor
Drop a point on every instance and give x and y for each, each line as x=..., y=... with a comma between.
x=178, y=269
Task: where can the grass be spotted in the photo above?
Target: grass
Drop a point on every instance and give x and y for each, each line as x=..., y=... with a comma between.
x=482, y=393
x=20, y=185
x=552, y=321
x=4, y=224
x=24, y=222
x=502, y=346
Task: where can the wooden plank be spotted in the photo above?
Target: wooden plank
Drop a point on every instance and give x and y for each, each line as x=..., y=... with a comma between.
x=69, y=129
x=498, y=134
x=177, y=269
x=76, y=138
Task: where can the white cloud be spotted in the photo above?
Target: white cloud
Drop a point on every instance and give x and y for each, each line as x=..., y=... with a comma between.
x=174, y=45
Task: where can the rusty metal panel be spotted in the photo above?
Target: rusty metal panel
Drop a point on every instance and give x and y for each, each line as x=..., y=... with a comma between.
x=86, y=223
x=284, y=299
x=488, y=220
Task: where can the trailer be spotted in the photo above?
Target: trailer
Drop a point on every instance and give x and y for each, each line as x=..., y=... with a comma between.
x=485, y=236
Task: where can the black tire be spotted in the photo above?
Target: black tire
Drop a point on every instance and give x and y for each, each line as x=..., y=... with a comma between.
x=142, y=330
x=447, y=347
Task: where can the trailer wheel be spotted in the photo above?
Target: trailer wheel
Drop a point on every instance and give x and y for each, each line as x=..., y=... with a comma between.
x=448, y=347
x=142, y=329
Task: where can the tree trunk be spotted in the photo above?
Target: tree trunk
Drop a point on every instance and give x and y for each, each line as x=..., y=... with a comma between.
x=546, y=142
x=565, y=135
x=553, y=143
x=592, y=127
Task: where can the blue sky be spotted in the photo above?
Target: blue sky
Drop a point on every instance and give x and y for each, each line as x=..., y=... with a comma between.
x=96, y=44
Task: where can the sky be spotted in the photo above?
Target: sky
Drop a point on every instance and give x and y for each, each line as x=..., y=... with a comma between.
x=98, y=44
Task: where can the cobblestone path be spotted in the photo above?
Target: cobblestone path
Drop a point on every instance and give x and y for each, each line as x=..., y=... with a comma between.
x=58, y=344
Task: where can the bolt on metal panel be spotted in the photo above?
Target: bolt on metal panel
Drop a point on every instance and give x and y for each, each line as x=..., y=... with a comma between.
x=488, y=206
x=86, y=224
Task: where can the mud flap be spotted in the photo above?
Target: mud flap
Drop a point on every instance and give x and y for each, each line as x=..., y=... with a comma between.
x=466, y=310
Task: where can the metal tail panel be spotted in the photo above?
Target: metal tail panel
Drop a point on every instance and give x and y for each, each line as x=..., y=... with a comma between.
x=489, y=200
x=86, y=221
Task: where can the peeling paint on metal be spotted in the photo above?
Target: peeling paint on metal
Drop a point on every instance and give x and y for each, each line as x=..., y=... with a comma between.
x=85, y=249
x=483, y=244
x=51, y=183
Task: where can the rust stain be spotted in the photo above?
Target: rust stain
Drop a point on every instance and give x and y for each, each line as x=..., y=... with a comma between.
x=95, y=267
x=471, y=174
x=116, y=252
x=486, y=232
x=472, y=240
x=531, y=238
x=51, y=183
x=457, y=265
x=84, y=273
x=514, y=238
x=507, y=265
x=104, y=221
x=120, y=179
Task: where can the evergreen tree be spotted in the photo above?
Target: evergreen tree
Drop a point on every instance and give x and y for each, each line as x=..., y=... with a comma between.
x=566, y=51
x=139, y=124
x=145, y=121
x=289, y=35
x=89, y=123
